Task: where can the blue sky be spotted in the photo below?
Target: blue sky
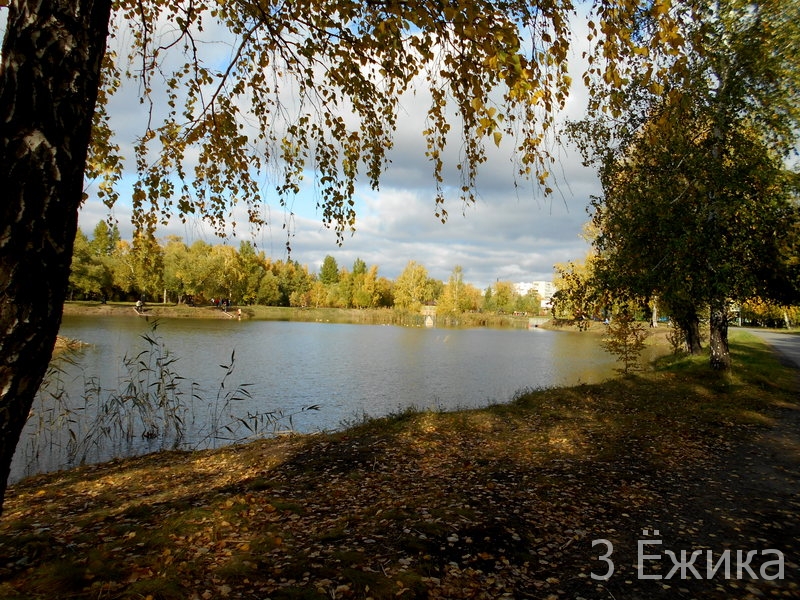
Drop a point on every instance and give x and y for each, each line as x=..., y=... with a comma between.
x=512, y=233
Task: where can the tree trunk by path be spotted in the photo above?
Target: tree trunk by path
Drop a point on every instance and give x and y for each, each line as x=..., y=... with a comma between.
x=718, y=337
x=689, y=323
x=693, y=338
x=49, y=75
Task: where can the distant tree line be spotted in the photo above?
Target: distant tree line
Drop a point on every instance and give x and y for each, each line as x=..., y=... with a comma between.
x=108, y=268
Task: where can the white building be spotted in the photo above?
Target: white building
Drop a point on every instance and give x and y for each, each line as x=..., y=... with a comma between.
x=545, y=290
x=523, y=288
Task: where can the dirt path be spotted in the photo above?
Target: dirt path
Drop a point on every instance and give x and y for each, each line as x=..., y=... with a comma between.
x=752, y=500
x=748, y=501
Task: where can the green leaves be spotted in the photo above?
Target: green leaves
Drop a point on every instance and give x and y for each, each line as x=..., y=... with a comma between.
x=693, y=176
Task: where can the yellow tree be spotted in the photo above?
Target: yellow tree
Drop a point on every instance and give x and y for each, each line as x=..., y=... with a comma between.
x=504, y=296
x=176, y=268
x=365, y=294
x=453, y=295
x=413, y=288
x=577, y=296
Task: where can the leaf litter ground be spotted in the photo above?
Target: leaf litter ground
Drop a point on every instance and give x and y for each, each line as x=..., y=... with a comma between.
x=503, y=502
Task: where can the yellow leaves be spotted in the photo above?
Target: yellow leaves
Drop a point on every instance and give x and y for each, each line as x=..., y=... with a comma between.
x=661, y=7
x=458, y=45
x=542, y=177
x=673, y=39
x=488, y=120
x=352, y=57
x=613, y=78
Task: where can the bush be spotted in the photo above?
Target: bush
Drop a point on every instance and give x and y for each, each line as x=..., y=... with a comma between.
x=624, y=338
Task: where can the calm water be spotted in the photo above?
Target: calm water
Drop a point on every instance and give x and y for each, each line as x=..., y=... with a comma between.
x=348, y=371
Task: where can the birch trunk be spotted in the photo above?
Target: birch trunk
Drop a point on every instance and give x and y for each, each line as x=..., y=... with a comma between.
x=49, y=74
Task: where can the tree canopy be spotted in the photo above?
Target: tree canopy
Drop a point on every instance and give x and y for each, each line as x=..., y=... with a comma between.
x=315, y=86
x=247, y=99
x=699, y=204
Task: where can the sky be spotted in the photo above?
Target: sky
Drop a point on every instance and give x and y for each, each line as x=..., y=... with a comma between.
x=512, y=233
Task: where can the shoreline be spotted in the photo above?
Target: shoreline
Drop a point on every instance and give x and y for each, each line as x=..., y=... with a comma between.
x=357, y=316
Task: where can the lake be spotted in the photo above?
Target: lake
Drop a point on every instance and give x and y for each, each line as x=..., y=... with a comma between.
x=225, y=380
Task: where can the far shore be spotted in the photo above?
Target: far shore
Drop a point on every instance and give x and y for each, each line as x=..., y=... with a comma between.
x=372, y=316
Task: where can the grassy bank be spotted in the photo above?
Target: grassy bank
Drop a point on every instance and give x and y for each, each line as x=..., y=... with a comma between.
x=381, y=316
x=492, y=503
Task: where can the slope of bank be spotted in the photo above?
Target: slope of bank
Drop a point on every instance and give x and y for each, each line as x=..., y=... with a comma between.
x=506, y=501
